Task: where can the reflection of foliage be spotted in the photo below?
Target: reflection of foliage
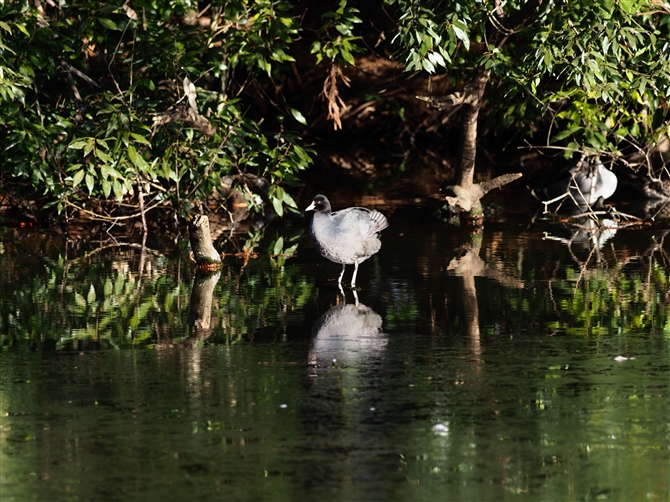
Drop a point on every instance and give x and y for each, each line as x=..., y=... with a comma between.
x=105, y=299
x=602, y=300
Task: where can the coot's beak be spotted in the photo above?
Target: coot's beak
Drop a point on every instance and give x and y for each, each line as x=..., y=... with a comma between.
x=311, y=207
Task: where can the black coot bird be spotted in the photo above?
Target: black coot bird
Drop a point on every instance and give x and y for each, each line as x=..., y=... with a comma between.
x=349, y=236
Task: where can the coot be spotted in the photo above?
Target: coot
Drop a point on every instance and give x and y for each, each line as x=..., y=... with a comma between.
x=349, y=236
x=586, y=183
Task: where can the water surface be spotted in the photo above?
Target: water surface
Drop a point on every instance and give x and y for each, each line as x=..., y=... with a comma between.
x=502, y=365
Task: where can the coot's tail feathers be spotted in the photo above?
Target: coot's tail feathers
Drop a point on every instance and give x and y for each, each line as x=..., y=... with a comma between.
x=378, y=222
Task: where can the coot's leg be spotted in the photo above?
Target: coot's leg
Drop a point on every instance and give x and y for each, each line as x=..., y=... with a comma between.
x=353, y=278
x=339, y=281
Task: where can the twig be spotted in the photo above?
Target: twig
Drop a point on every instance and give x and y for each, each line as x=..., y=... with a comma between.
x=111, y=218
x=211, y=164
x=109, y=66
x=140, y=196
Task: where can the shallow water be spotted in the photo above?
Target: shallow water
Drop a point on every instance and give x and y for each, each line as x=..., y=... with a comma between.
x=510, y=364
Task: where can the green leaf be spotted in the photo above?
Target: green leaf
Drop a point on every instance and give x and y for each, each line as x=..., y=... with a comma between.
x=132, y=154
x=78, y=176
x=277, y=204
x=118, y=190
x=298, y=116
x=428, y=66
x=460, y=30
x=140, y=139
x=106, y=188
x=103, y=156
x=436, y=59
x=109, y=24
x=564, y=134
x=79, y=144
x=288, y=200
x=23, y=29
x=629, y=6
x=635, y=130
x=279, y=245
x=90, y=182
x=348, y=57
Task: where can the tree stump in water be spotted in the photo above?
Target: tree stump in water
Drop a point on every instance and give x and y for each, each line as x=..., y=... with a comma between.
x=204, y=253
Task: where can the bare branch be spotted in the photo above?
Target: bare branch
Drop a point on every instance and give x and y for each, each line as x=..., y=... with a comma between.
x=489, y=185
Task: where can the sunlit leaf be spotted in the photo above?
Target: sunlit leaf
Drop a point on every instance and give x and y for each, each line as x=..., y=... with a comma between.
x=79, y=144
x=90, y=182
x=108, y=23
x=298, y=116
x=76, y=179
x=106, y=188
x=460, y=30
x=279, y=245
x=278, y=207
x=118, y=190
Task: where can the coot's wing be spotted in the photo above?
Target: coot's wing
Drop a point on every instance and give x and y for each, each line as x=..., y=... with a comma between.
x=360, y=222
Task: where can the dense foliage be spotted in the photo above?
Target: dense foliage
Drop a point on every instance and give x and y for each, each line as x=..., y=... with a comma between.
x=139, y=104
x=118, y=109
x=600, y=71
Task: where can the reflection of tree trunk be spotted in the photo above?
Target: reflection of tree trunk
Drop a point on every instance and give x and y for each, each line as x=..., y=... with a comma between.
x=466, y=266
x=469, y=294
x=201, y=302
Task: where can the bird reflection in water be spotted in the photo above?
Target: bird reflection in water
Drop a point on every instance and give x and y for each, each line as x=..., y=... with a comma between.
x=347, y=335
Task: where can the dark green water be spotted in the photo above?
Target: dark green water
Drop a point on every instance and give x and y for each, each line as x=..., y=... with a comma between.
x=503, y=366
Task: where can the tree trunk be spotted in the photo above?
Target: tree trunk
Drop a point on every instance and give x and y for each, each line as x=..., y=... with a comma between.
x=204, y=253
x=472, y=101
x=465, y=195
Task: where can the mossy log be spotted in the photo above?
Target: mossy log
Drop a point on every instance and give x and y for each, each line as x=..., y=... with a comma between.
x=204, y=253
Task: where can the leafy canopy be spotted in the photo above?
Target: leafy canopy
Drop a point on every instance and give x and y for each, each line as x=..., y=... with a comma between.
x=600, y=70
x=93, y=100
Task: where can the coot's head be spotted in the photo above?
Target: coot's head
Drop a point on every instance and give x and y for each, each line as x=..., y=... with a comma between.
x=320, y=204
